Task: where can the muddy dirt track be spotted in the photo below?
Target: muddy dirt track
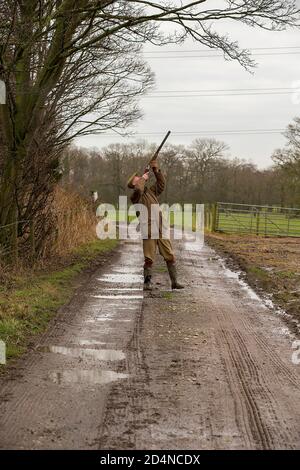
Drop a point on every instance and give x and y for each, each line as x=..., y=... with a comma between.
x=205, y=368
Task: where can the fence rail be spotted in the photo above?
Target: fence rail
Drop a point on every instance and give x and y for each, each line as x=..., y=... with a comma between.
x=256, y=220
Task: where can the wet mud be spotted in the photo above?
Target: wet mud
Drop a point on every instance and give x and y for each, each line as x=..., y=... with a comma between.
x=209, y=367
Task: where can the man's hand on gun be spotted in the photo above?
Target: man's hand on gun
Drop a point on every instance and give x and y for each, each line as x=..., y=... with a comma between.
x=152, y=164
x=146, y=175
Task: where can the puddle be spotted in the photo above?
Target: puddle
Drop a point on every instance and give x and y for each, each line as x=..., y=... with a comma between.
x=193, y=246
x=282, y=313
x=284, y=331
x=100, y=354
x=264, y=302
x=109, y=316
x=96, y=306
x=236, y=276
x=116, y=296
x=108, y=319
x=120, y=289
x=122, y=278
x=86, y=377
x=90, y=342
x=124, y=270
x=94, y=320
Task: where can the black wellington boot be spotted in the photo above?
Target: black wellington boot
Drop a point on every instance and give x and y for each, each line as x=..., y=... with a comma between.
x=147, y=278
x=173, y=276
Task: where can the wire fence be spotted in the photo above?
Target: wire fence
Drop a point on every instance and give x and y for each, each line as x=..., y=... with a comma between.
x=256, y=220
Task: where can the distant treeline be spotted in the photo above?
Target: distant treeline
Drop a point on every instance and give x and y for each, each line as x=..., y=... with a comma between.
x=202, y=173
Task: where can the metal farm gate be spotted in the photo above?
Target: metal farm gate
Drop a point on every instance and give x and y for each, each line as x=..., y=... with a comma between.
x=257, y=220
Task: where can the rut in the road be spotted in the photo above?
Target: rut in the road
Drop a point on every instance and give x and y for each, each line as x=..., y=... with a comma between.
x=210, y=369
x=203, y=368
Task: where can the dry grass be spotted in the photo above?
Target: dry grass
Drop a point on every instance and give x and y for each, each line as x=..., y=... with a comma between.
x=75, y=222
x=31, y=294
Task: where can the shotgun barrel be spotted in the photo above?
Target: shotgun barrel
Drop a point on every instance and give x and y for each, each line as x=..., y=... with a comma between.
x=158, y=150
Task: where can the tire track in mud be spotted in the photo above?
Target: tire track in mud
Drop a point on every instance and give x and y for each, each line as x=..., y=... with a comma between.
x=206, y=368
x=256, y=404
x=248, y=372
x=240, y=370
x=263, y=388
x=249, y=380
x=260, y=432
x=244, y=322
x=251, y=371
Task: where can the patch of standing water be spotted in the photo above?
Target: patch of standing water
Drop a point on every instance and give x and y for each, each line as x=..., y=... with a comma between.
x=86, y=377
x=90, y=342
x=124, y=270
x=285, y=332
x=193, y=246
x=120, y=289
x=99, y=354
x=104, y=319
x=266, y=302
x=120, y=306
x=121, y=278
x=116, y=296
x=236, y=276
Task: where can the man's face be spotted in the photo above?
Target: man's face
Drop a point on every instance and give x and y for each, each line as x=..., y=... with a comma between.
x=136, y=179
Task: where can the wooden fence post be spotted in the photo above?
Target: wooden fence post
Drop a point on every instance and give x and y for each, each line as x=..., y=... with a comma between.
x=257, y=222
x=214, y=217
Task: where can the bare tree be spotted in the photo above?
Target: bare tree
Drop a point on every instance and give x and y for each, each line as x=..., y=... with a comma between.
x=289, y=157
x=72, y=67
x=203, y=154
x=172, y=160
x=287, y=160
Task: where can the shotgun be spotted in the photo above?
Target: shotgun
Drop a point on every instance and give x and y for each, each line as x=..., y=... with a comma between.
x=157, y=151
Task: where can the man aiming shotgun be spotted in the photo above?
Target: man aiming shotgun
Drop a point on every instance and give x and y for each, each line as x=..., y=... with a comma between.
x=147, y=197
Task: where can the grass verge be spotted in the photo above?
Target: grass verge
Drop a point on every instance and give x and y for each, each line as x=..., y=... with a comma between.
x=31, y=298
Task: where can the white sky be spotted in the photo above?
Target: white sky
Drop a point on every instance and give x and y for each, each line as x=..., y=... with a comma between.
x=203, y=114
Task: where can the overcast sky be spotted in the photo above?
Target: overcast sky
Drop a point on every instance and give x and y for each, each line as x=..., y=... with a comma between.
x=183, y=75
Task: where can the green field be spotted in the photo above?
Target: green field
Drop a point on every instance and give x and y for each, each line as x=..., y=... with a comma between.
x=176, y=219
x=259, y=223
x=221, y=217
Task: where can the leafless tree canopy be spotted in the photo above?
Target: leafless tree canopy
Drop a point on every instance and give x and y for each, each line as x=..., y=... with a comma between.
x=74, y=67
x=202, y=172
x=287, y=160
